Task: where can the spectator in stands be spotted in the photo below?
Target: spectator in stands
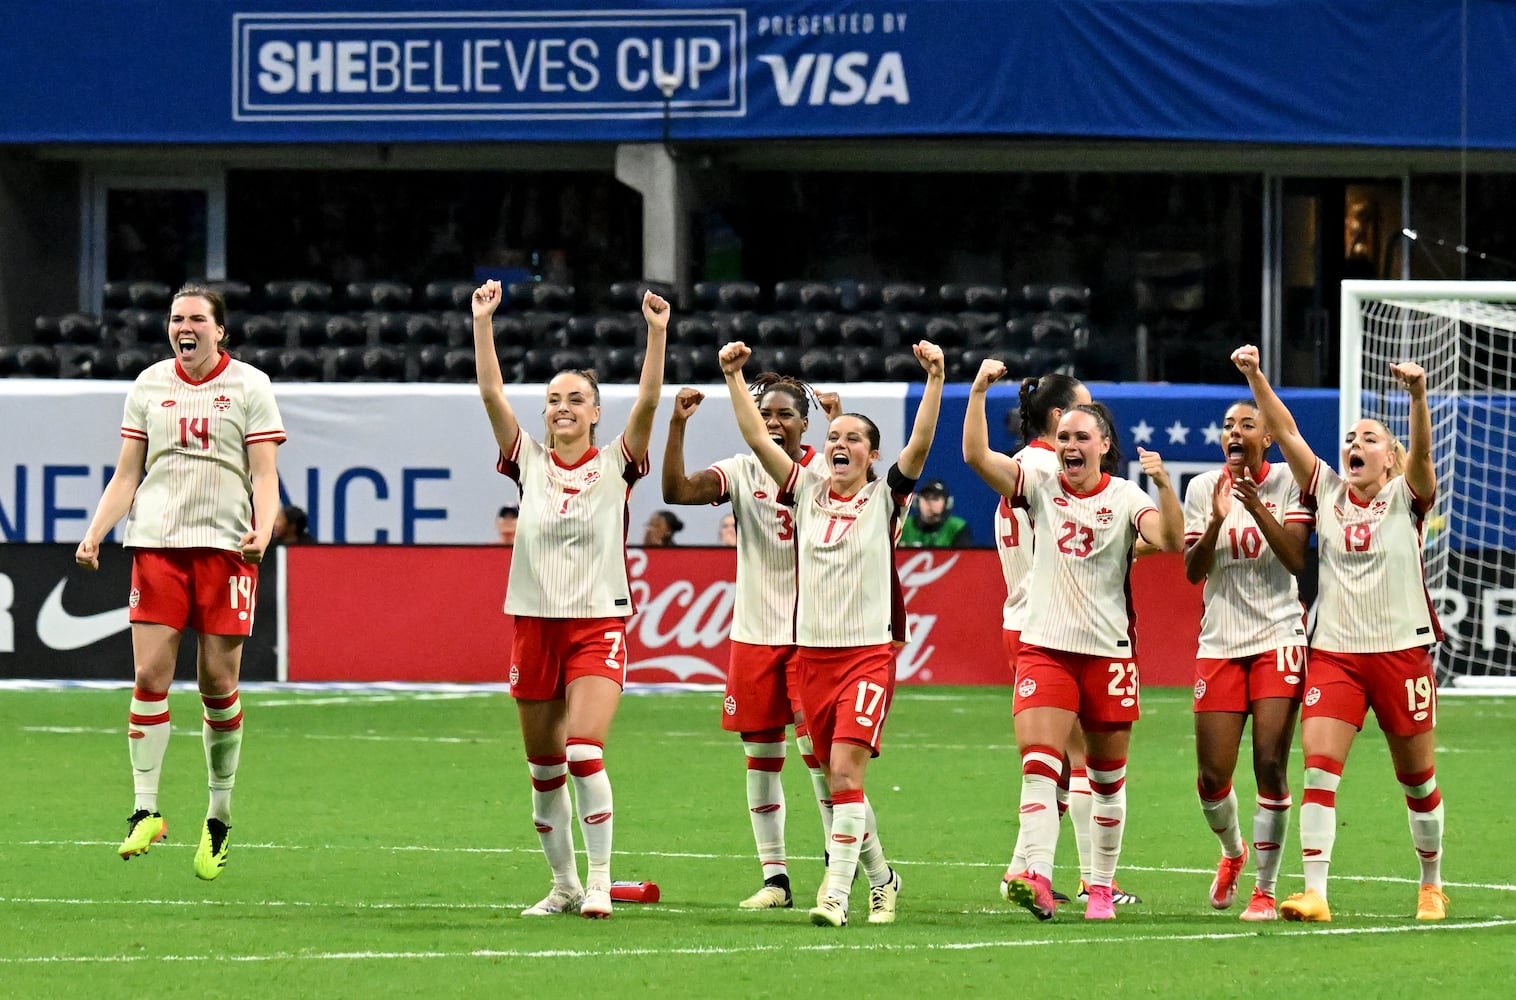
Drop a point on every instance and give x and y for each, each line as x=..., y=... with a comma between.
x=292, y=526
x=505, y=524
x=931, y=523
x=727, y=533
x=661, y=529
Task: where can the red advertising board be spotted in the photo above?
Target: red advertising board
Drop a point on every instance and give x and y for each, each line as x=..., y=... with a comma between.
x=433, y=613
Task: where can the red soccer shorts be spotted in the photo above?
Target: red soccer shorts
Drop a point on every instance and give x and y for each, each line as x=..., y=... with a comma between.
x=1103, y=691
x=1401, y=688
x=1233, y=684
x=548, y=654
x=209, y=590
x=762, y=688
x=1012, y=643
x=846, y=693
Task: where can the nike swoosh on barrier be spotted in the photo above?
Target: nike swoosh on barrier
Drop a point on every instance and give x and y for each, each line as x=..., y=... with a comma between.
x=60, y=630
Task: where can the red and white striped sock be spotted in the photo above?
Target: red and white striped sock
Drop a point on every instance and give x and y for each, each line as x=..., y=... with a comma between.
x=765, y=798
x=221, y=732
x=819, y=784
x=1081, y=804
x=147, y=733
x=1220, y=812
x=552, y=814
x=1271, y=828
x=1424, y=804
x=1107, y=817
x=1040, y=767
x=1318, y=819
x=848, y=828
x=592, y=796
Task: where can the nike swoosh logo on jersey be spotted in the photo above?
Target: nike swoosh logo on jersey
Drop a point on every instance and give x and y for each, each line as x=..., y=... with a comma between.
x=60, y=630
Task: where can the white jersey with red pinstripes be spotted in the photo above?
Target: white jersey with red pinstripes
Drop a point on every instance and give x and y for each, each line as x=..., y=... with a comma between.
x=1078, y=597
x=849, y=593
x=1373, y=596
x=1013, y=539
x=764, y=612
x=569, y=558
x=1251, y=602
x=197, y=491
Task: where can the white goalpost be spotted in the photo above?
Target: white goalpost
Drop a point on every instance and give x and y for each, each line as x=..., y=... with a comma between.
x=1464, y=334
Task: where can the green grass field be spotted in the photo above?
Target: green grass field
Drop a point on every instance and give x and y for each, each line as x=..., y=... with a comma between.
x=382, y=846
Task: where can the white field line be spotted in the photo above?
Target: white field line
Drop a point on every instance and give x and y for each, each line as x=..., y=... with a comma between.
x=493, y=954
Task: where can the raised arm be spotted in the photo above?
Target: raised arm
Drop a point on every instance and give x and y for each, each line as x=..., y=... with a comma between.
x=1280, y=421
x=999, y=471
x=913, y=456
x=704, y=486
x=1168, y=534
x=115, y=501
x=639, y=424
x=1420, y=471
x=486, y=300
x=775, y=462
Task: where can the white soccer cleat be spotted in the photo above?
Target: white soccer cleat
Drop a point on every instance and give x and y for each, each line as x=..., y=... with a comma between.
x=597, y=901
x=882, y=900
x=830, y=912
x=560, y=900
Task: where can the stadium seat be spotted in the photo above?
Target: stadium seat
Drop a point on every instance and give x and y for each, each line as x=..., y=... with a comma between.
x=423, y=328
x=375, y=364
x=862, y=364
x=628, y=294
x=771, y=331
x=78, y=328
x=133, y=361
x=806, y=296
x=236, y=294
x=264, y=331
x=299, y=364
x=902, y=366
x=691, y=363
x=545, y=296
x=1069, y=298
x=537, y=364
x=148, y=325
x=961, y=297
x=458, y=365
x=572, y=358
x=822, y=364
x=115, y=294
x=695, y=330
x=265, y=359
x=303, y=327
x=153, y=295
x=727, y=296
x=386, y=296
x=385, y=327
x=298, y=294
x=945, y=331
x=446, y=296
x=893, y=296
x=428, y=363
x=345, y=331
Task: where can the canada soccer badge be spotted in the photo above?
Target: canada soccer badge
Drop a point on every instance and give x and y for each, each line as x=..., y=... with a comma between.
x=222, y=403
x=1104, y=516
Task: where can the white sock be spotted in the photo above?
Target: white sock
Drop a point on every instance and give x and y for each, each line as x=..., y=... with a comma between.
x=1424, y=807
x=819, y=784
x=553, y=813
x=147, y=734
x=1318, y=819
x=221, y=732
x=848, y=828
x=1271, y=828
x=592, y=797
x=765, y=802
x=1081, y=804
x=1040, y=767
x=871, y=855
x=1221, y=816
x=1107, y=818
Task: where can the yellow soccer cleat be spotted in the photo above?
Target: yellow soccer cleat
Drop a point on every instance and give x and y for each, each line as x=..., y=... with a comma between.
x=1309, y=906
x=143, y=830
x=1431, y=903
x=210, y=858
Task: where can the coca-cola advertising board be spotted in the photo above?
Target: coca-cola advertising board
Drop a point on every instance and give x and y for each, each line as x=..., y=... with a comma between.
x=433, y=613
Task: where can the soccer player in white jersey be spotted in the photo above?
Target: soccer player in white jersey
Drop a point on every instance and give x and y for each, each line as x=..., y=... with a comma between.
x=570, y=596
x=1041, y=401
x=1371, y=644
x=850, y=613
x=762, y=689
x=1246, y=531
x=197, y=482
x=1077, y=657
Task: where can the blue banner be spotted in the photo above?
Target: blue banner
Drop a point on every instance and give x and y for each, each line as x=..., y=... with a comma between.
x=1279, y=71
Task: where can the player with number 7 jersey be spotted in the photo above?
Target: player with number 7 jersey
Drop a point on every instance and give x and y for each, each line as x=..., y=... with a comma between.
x=850, y=612
x=1371, y=647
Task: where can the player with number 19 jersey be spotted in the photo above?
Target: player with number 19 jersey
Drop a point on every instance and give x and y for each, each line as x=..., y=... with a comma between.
x=1079, y=595
x=764, y=610
x=1373, y=595
x=572, y=562
x=196, y=491
x=1252, y=603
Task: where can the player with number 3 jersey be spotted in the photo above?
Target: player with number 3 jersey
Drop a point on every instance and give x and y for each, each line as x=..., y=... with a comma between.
x=1371, y=645
x=762, y=683
x=1077, y=657
x=1246, y=531
x=198, y=484
x=569, y=593
x=850, y=612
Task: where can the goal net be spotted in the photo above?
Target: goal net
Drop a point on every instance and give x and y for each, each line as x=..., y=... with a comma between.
x=1464, y=334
